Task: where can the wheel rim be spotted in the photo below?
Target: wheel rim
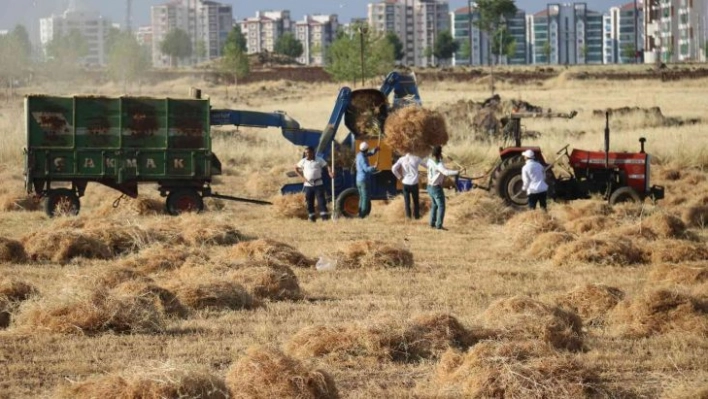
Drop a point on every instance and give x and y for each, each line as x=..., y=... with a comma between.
x=63, y=205
x=624, y=198
x=515, y=189
x=351, y=205
x=186, y=203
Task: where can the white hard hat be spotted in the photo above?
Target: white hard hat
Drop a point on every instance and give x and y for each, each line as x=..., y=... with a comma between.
x=528, y=154
x=363, y=146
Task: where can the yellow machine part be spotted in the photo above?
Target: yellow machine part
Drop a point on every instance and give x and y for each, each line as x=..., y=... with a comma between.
x=384, y=157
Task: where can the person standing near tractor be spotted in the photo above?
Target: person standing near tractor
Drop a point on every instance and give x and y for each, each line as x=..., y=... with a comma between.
x=406, y=170
x=310, y=170
x=363, y=175
x=436, y=175
x=533, y=175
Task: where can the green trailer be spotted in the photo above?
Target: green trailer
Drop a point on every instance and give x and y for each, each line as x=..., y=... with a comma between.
x=119, y=142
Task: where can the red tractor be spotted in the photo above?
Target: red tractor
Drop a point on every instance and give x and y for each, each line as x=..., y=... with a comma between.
x=617, y=176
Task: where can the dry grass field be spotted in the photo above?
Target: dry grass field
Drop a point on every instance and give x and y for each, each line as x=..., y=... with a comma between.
x=585, y=301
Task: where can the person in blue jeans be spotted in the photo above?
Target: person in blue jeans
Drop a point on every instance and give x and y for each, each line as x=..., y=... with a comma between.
x=310, y=171
x=363, y=175
x=436, y=176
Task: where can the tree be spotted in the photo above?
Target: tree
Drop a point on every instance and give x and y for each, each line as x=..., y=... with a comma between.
x=510, y=49
x=127, y=60
x=547, y=51
x=288, y=45
x=201, y=50
x=445, y=46
x=428, y=54
x=395, y=41
x=502, y=41
x=112, y=37
x=464, y=50
x=20, y=34
x=177, y=45
x=234, y=61
x=13, y=60
x=237, y=38
x=344, y=55
x=628, y=52
x=491, y=13
x=68, y=49
x=584, y=50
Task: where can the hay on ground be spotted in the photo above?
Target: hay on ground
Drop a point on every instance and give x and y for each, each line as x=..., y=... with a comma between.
x=267, y=250
x=120, y=237
x=165, y=301
x=373, y=254
x=159, y=258
x=162, y=381
x=211, y=293
x=545, y=244
x=12, y=251
x=583, y=208
x=678, y=251
x=415, y=130
x=15, y=290
x=517, y=369
x=692, y=389
x=477, y=206
x=270, y=280
x=589, y=224
x=62, y=246
x=665, y=226
x=428, y=336
x=395, y=211
x=197, y=231
x=590, y=301
x=289, y=206
x=268, y=373
x=695, y=216
x=142, y=206
x=262, y=184
x=5, y=316
x=523, y=227
x=687, y=273
x=606, y=251
x=9, y=203
x=521, y=317
x=660, y=312
x=115, y=276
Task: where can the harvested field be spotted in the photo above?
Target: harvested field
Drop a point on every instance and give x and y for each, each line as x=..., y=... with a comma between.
x=545, y=244
x=161, y=258
x=591, y=302
x=605, y=251
x=473, y=207
x=9, y=203
x=524, y=226
x=685, y=273
x=395, y=211
x=212, y=295
x=16, y=290
x=677, y=251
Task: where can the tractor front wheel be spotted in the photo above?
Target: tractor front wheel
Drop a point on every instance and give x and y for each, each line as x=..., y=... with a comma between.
x=624, y=194
x=183, y=201
x=348, y=203
x=61, y=201
x=508, y=184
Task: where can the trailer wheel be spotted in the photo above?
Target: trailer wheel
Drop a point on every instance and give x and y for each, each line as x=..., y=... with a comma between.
x=183, y=201
x=624, y=194
x=508, y=184
x=61, y=201
x=348, y=203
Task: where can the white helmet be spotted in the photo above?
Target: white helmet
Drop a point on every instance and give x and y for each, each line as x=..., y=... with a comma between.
x=363, y=146
x=528, y=154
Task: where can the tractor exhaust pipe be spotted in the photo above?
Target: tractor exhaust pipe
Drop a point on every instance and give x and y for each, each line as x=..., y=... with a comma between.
x=607, y=140
x=642, y=140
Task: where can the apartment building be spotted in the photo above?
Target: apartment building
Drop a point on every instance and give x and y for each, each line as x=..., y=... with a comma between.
x=610, y=45
x=316, y=33
x=623, y=34
x=207, y=23
x=480, y=52
x=263, y=30
x=92, y=26
x=416, y=22
x=675, y=30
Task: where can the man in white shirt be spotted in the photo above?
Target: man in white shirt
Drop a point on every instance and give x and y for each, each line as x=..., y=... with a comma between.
x=310, y=170
x=406, y=170
x=533, y=175
x=436, y=176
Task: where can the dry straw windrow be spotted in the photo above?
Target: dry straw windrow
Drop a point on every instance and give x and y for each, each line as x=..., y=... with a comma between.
x=268, y=373
x=373, y=254
x=162, y=258
x=601, y=250
x=395, y=211
x=476, y=206
x=16, y=290
x=270, y=250
x=591, y=302
x=12, y=251
x=211, y=293
x=61, y=246
x=415, y=130
x=524, y=226
x=544, y=245
x=289, y=206
x=685, y=273
x=678, y=251
x=9, y=203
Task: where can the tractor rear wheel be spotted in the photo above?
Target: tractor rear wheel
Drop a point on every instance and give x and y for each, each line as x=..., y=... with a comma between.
x=508, y=184
x=183, y=201
x=348, y=203
x=61, y=201
x=624, y=194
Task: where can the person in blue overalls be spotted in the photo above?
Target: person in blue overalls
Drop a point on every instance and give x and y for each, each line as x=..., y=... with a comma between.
x=363, y=177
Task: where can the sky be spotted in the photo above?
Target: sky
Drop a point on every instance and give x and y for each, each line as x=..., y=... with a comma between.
x=28, y=12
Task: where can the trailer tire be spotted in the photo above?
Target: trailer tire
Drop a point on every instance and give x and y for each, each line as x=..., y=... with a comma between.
x=348, y=203
x=183, y=201
x=624, y=194
x=507, y=182
x=61, y=201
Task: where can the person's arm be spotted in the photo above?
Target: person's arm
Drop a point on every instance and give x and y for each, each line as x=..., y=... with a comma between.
x=447, y=172
x=525, y=179
x=298, y=170
x=396, y=169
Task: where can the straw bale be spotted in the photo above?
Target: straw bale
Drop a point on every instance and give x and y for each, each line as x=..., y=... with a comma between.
x=289, y=206
x=210, y=293
x=267, y=249
x=62, y=246
x=164, y=300
x=590, y=301
x=526, y=369
x=695, y=216
x=268, y=373
x=159, y=258
x=589, y=224
x=677, y=251
x=148, y=383
x=428, y=336
x=12, y=251
x=545, y=244
x=395, y=211
x=339, y=341
x=523, y=227
x=415, y=130
x=606, y=251
x=687, y=273
x=9, y=203
x=583, y=208
x=16, y=290
x=521, y=317
x=267, y=280
x=366, y=112
x=92, y=312
x=477, y=206
x=373, y=254
x=660, y=312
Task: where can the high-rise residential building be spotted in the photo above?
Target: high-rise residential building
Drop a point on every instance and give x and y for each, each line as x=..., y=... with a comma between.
x=144, y=36
x=567, y=34
x=90, y=24
x=623, y=34
x=475, y=46
x=263, y=30
x=416, y=22
x=207, y=23
x=316, y=33
x=675, y=30
x=610, y=46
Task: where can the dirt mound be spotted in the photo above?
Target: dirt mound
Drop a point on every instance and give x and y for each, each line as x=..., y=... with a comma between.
x=518, y=369
x=12, y=251
x=289, y=206
x=521, y=317
x=373, y=254
x=415, y=130
x=523, y=227
x=62, y=246
x=10, y=203
x=677, y=251
x=477, y=206
x=660, y=312
x=268, y=250
x=606, y=251
x=210, y=293
x=545, y=244
x=163, y=381
x=268, y=373
x=591, y=301
x=15, y=290
x=395, y=211
x=687, y=273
